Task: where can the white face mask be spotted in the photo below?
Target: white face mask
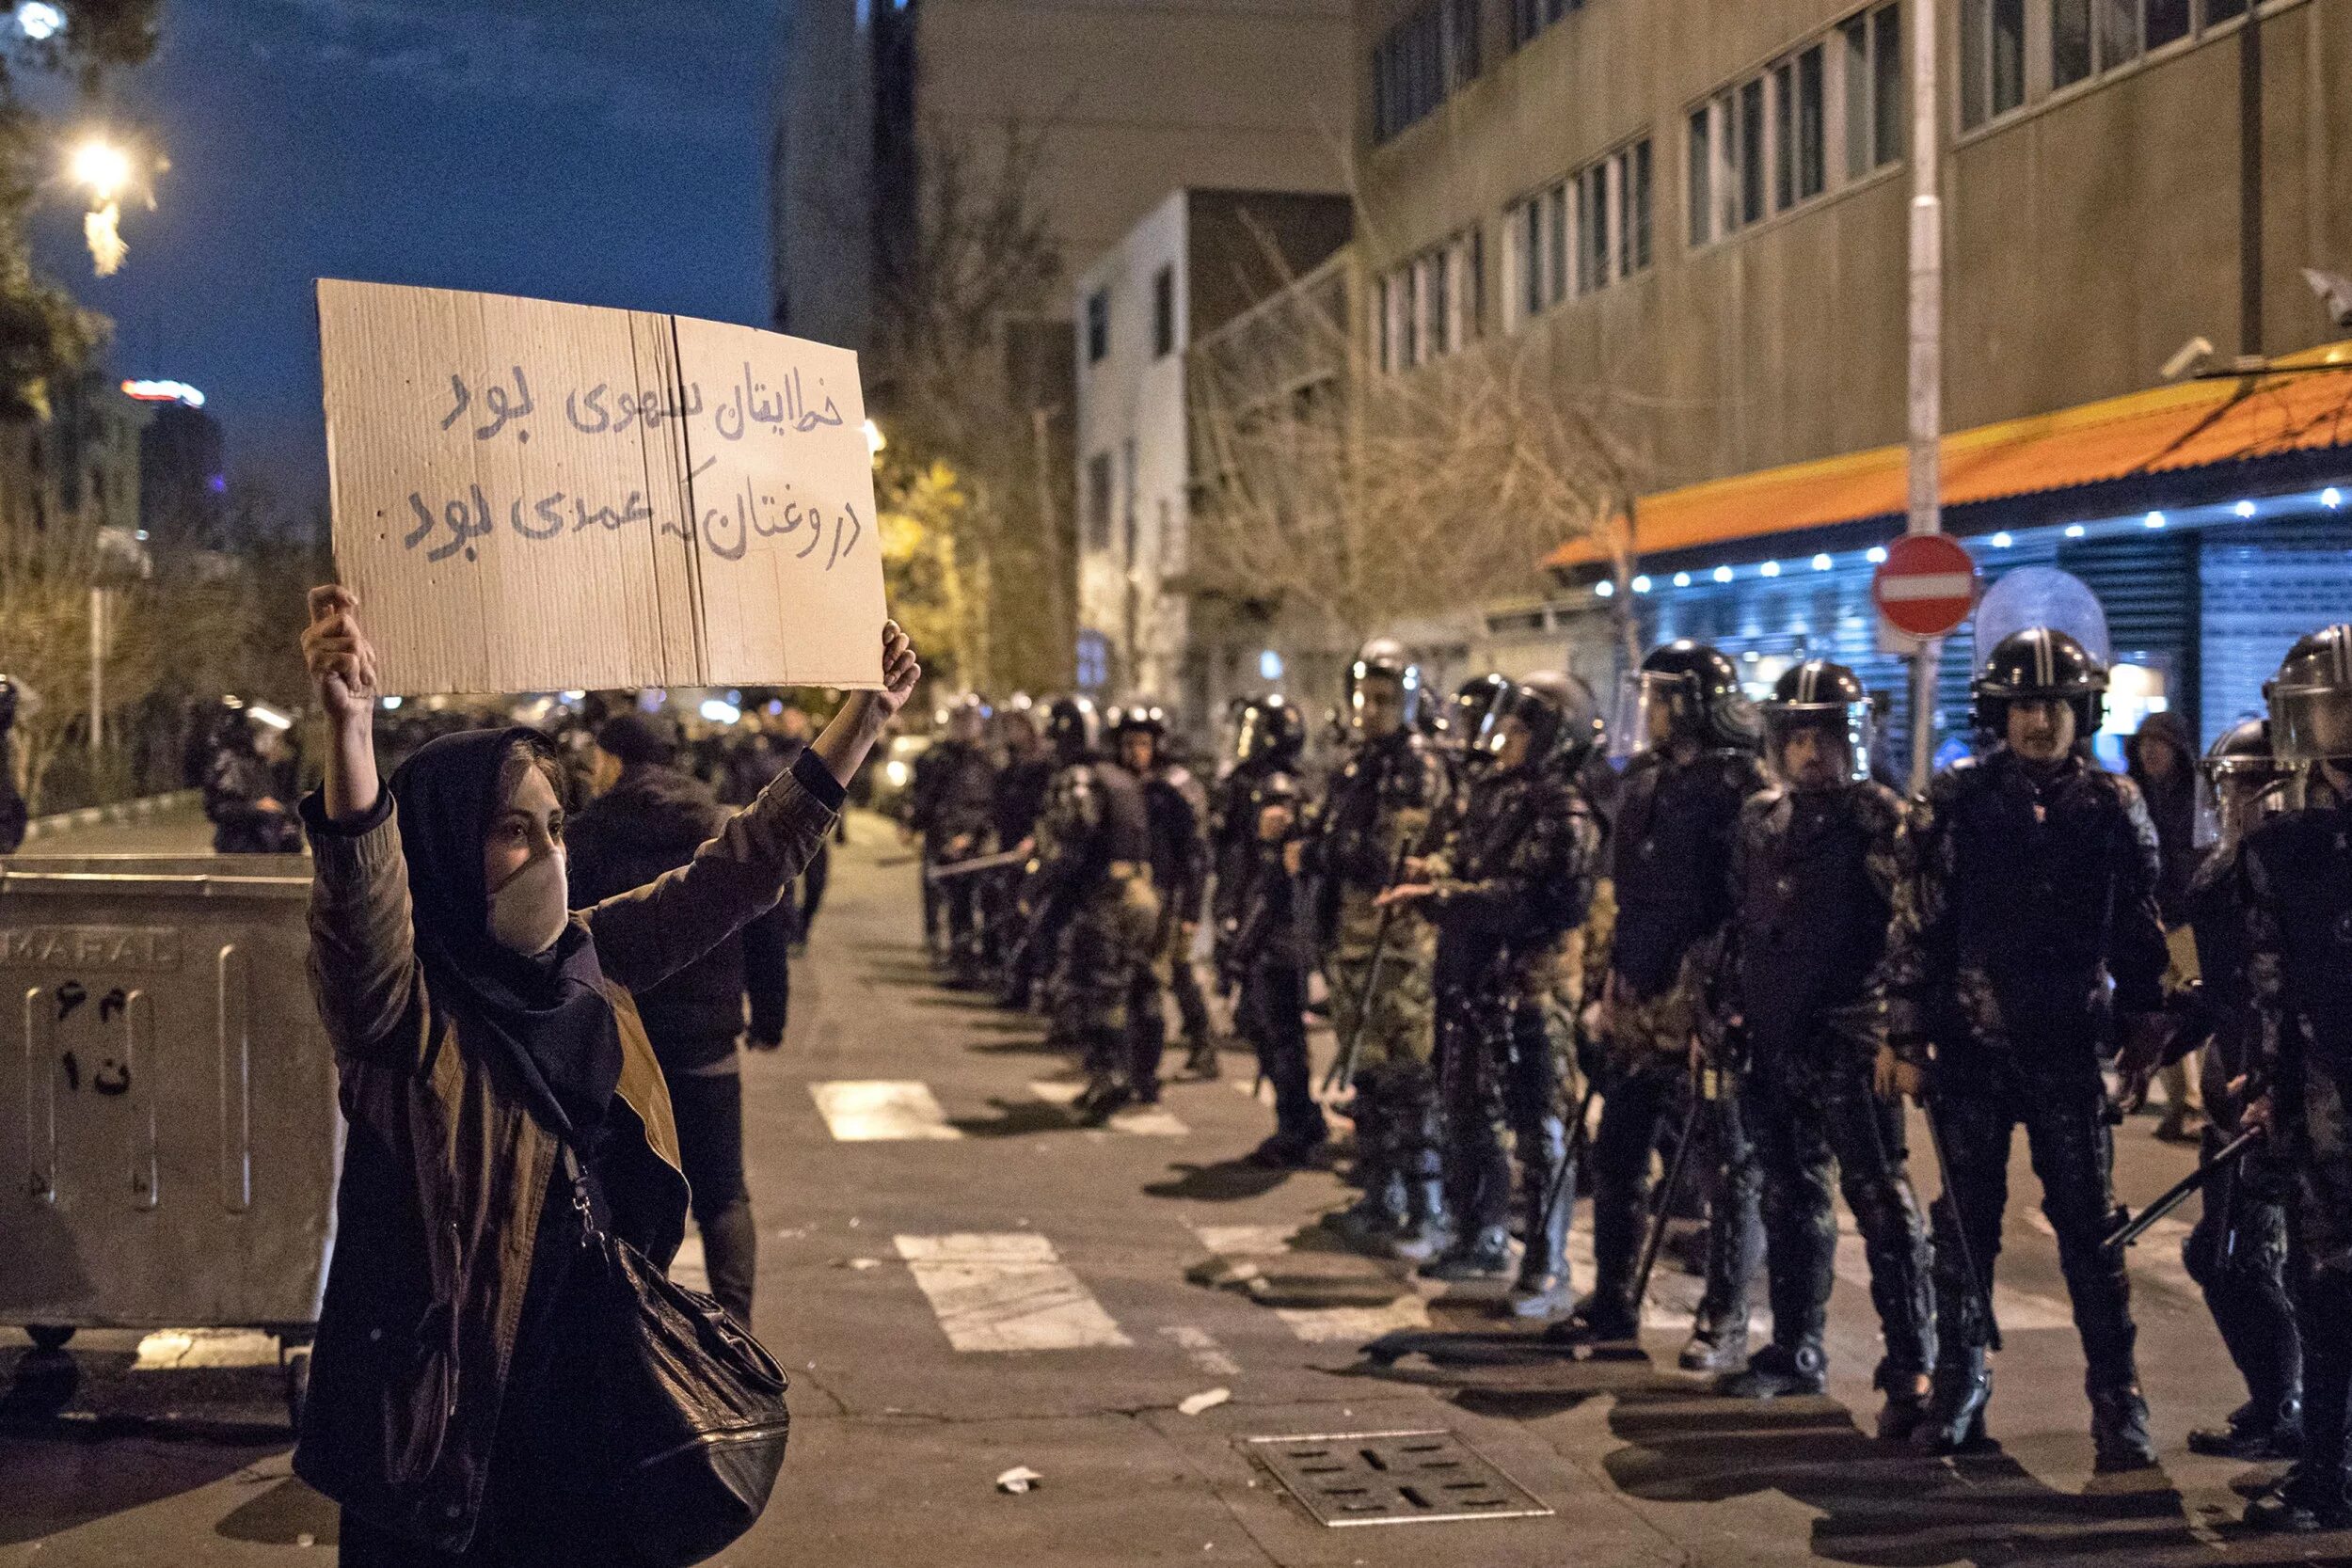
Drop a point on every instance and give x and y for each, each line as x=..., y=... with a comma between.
x=528, y=910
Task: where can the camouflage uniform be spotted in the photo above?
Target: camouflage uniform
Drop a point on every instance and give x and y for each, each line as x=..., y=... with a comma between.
x=1177, y=807
x=1094, y=880
x=1376, y=812
x=1512, y=895
x=2297, y=871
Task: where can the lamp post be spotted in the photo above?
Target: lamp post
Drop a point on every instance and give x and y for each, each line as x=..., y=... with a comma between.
x=1926, y=358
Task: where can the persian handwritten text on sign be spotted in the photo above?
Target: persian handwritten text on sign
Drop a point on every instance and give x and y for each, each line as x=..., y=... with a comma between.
x=531, y=497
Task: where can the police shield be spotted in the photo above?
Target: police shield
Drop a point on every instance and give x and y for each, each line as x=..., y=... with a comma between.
x=2041, y=596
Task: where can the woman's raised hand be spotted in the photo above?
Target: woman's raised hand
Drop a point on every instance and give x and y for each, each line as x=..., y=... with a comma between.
x=900, y=670
x=341, y=659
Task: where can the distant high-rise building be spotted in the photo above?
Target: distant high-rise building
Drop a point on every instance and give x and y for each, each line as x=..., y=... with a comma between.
x=182, y=483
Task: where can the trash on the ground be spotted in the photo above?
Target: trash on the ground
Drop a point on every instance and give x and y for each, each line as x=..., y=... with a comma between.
x=306, y=1539
x=1018, y=1480
x=1206, y=1400
x=866, y=1262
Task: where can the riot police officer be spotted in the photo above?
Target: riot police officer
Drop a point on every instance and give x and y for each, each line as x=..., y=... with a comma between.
x=2237, y=1252
x=1094, y=902
x=2298, y=872
x=1177, y=808
x=1696, y=735
x=1508, y=897
x=2031, y=883
x=1376, y=812
x=1269, y=736
x=1814, y=870
x=1268, y=961
x=954, y=794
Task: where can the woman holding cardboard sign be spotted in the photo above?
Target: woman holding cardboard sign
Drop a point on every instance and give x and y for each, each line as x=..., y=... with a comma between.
x=510, y=1130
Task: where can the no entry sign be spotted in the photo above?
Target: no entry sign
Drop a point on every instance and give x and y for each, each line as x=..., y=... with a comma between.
x=1926, y=586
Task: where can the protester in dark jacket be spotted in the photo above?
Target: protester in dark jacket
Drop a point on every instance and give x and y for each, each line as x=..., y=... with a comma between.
x=2162, y=760
x=651, y=820
x=473, y=1018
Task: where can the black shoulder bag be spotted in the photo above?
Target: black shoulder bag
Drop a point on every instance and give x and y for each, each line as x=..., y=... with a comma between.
x=692, y=1407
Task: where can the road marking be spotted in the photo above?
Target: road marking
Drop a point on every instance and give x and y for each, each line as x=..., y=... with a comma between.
x=1242, y=1247
x=180, y=1350
x=1201, y=1349
x=1005, y=1292
x=1150, y=1121
x=875, y=1110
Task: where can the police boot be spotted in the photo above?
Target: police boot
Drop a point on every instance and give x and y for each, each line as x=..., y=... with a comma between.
x=1954, y=1422
x=1717, y=1347
x=1543, y=1289
x=2256, y=1431
x=2119, y=1429
x=1906, y=1403
x=1600, y=1321
x=1200, y=1059
x=1428, y=1230
x=1482, y=1208
x=1778, y=1371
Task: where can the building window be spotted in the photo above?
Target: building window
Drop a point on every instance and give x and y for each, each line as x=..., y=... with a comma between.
x=1992, y=59
x=1098, y=326
x=1763, y=146
x=1702, y=183
x=1420, y=60
x=1093, y=662
x=1098, y=519
x=1432, y=304
x=2070, y=42
x=1129, y=521
x=1164, y=313
x=1589, y=230
x=2081, y=38
x=1530, y=17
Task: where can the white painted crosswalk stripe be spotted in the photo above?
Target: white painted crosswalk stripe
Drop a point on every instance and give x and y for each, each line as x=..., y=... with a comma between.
x=1151, y=1121
x=876, y=1110
x=1007, y=1292
x=1244, y=1248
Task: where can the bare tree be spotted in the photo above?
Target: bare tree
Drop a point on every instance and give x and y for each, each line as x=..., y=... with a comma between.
x=973, y=365
x=1356, y=499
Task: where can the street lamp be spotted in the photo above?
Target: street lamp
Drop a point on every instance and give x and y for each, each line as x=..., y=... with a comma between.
x=103, y=169
x=39, y=21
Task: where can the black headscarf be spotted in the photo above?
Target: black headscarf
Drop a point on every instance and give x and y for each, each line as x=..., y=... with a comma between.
x=544, y=1015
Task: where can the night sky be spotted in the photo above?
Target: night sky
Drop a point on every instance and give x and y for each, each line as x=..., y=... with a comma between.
x=590, y=151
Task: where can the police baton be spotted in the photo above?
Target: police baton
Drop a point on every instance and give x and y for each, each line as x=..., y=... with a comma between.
x=2180, y=1192
x=1657, y=1238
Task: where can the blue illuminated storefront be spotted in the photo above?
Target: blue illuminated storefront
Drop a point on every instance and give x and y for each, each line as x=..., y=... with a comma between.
x=2202, y=600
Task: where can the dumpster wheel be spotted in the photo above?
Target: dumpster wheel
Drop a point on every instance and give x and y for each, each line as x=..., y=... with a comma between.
x=295, y=1365
x=49, y=1337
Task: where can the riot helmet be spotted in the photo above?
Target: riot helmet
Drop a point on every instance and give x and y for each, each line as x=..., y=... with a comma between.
x=1141, y=718
x=1275, y=789
x=7, y=703
x=1685, y=690
x=967, y=719
x=1383, y=662
x=1269, y=731
x=1822, y=697
x=2239, y=782
x=2310, y=700
x=1556, y=711
x=2040, y=663
x=1073, y=728
x=1463, y=714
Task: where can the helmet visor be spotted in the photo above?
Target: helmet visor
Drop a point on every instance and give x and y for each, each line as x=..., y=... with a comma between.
x=2310, y=724
x=1652, y=709
x=1846, y=728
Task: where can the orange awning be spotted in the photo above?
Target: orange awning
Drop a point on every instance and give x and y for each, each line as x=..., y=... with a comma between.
x=2303, y=405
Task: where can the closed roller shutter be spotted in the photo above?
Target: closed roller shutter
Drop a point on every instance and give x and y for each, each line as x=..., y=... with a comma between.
x=2263, y=587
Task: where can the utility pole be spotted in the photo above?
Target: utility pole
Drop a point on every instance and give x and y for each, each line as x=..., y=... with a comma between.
x=2250, y=164
x=1927, y=357
x=97, y=670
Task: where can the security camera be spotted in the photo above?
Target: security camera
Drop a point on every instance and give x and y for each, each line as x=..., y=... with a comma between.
x=2192, y=356
x=2335, y=294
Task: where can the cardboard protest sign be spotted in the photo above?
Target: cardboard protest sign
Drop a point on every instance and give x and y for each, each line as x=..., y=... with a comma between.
x=532, y=496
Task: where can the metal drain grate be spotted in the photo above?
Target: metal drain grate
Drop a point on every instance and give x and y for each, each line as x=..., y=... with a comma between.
x=1393, y=1478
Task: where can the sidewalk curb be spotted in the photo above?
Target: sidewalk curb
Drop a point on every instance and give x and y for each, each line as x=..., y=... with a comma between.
x=115, y=815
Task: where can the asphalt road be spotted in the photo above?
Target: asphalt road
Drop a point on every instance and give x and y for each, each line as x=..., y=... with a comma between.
x=963, y=1282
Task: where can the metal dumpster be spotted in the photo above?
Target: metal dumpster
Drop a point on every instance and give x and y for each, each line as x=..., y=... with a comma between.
x=168, y=1131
